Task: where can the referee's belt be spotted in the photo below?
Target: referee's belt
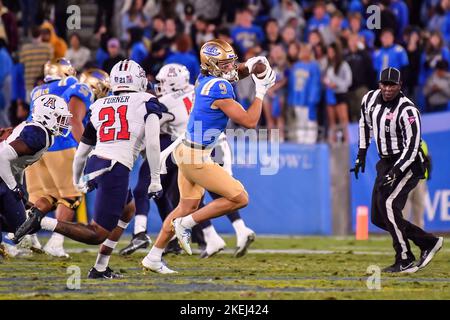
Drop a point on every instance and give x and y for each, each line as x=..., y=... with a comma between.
x=392, y=157
x=194, y=145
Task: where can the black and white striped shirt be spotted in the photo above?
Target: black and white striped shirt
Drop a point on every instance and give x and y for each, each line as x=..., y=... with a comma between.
x=395, y=126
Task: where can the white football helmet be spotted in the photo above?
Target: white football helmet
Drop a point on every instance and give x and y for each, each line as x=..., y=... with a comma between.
x=128, y=75
x=172, y=77
x=52, y=112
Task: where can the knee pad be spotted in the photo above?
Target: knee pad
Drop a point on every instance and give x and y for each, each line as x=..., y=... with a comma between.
x=70, y=203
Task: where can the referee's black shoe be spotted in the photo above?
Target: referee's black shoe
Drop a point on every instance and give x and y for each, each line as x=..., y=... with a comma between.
x=427, y=254
x=402, y=266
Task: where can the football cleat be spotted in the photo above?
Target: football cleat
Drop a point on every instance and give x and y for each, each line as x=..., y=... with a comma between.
x=107, y=274
x=139, y=241
x=159, y=266
x=55, y=250
x=3, y=252
x=183, y=235
x=213, y=246
x=10, y=251
x=30, y=226
x=428, y=254
x=173, y=247
x=244, y=240
x=30, y=241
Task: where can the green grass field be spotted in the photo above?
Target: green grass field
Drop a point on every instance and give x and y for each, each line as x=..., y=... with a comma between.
x=275, y=268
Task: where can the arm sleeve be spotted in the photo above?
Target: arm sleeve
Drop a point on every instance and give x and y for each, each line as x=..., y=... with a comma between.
x=34, y=137
x=7, y=154
x=152, y=146
x=410, y=121
x=89, y=135
x=364, y=128
x=79, y=161
x=166, y=153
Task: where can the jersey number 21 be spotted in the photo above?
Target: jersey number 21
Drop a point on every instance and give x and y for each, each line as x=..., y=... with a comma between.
x=108, y=115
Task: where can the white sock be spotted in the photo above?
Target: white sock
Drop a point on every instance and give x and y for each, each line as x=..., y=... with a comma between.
x=102, y=262
x=210, y=233
x=239, y=226
x=49, y=224
x=140, y=223
x=188, y=222
x=155, y=254
x=56, y=239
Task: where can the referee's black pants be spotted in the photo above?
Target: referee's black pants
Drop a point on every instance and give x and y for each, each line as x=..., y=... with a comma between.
x=387, y=206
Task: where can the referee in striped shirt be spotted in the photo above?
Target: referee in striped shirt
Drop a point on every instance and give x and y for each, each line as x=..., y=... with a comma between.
x=394, y=122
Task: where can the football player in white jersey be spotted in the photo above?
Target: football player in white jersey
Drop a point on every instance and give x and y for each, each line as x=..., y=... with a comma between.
x=26, y=145
x=120, y=125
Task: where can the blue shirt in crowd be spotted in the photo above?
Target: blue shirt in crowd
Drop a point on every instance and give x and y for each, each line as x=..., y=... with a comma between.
x=245, y=38
x=304, y=88
x=394, y=56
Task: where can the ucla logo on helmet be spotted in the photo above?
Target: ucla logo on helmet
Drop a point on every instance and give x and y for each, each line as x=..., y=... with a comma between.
x=211, y=51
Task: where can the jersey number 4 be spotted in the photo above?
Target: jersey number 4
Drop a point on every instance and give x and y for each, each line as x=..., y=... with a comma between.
x=109, y=116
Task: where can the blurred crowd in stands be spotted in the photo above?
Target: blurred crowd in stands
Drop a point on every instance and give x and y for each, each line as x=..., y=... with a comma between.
x=324, y=52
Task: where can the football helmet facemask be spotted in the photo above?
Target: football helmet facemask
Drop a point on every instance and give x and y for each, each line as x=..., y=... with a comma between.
x=53, y=113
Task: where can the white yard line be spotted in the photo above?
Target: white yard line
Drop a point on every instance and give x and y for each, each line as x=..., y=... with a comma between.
x=260, y=251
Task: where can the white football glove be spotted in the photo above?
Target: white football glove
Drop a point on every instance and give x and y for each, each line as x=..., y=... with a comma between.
x=155, y=190
x=251, y=62
x=82, y=187
x=264, y=84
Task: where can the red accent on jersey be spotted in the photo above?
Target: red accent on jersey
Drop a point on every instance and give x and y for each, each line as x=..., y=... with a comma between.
x=187, y=104
x=123, y=134
x=106, y=132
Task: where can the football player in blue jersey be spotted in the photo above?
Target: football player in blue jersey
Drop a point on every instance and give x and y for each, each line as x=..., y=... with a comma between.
x=214, y=105
x=26, y=145
x=177, y=94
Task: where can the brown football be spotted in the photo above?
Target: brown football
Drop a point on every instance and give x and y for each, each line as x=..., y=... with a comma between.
x=259, y=69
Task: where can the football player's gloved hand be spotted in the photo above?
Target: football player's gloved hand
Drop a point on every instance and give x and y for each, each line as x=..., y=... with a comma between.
x=155, y=190
x=264, y=84
x=85, y=186
x=19, y=192
x=360, y=162
x=251, y=62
